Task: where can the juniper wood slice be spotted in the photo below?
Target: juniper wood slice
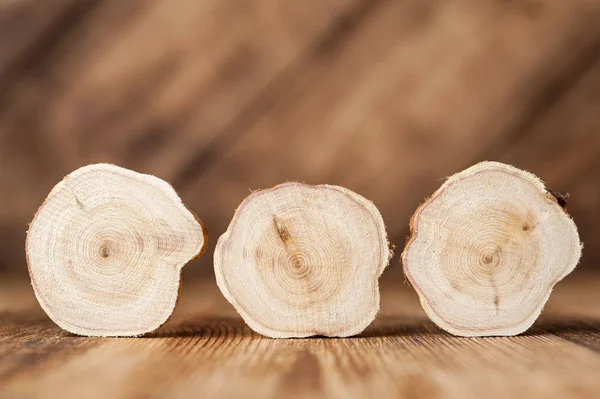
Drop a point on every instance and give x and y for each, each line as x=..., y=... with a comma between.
x=487, y=248
x=300, y=260
x=106, y=248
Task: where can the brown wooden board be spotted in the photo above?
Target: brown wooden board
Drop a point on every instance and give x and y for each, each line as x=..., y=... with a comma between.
x=205, y=350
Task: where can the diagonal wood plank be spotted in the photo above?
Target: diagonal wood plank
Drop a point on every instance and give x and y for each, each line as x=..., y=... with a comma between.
x=196, y=64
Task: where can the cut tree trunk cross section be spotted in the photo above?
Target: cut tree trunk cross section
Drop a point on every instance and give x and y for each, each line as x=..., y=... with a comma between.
x=300, y=260
x=106, y=248
x=487, y=248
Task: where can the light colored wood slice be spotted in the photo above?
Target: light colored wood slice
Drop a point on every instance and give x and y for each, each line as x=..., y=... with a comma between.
x=300, y=260
x=106, y=248
x=487, y=248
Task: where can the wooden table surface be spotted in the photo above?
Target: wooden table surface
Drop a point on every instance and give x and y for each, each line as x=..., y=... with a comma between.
x=205, y=350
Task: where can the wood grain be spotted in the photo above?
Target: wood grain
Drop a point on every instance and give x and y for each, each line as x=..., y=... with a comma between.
x=205, y=349
x=300, y=260
x=486, y=250
x=106, y=249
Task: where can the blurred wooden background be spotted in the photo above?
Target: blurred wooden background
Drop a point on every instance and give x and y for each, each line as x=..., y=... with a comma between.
x=221, y=96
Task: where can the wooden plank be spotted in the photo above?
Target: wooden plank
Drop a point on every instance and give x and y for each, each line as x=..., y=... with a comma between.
x=120, y=81
x=205, y=349
x=419, y=91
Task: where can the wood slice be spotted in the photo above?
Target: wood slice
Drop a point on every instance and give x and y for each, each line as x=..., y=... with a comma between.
x=106, y=248
x=300, y=260
x=487, y=248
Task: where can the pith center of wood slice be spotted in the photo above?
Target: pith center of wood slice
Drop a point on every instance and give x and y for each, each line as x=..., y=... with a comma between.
x=487, y=248
x=106, y=248
x=300, y=260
